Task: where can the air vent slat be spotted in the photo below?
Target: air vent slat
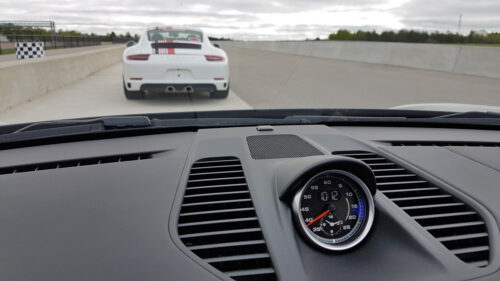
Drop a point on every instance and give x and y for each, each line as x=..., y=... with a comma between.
x=444, y=215
x=409, y=190
x=374, y=160
x=222, y=232
x=218, y=222
x=225, y=245
x=454, y=225
x=216, y=186
x=481, y=263
x=471, y=250
x=457, y=226
x=383, y=184
x=384, y=165
x=462, y=237
x=391, y=177
x=216, y=193
x=208, y=190
x=216, y=167
x=216, y=179
x=217, y=202
x=237, y=258
x=358, y=155
x=421, y=198
x=77, y=162
x=388, y=170
x=217, y=211
x=240, y=273
x=215, y=173
x=433, y=206
x=213, y=164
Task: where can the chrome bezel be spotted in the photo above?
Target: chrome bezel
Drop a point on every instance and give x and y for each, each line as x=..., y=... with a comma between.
x=301, y=225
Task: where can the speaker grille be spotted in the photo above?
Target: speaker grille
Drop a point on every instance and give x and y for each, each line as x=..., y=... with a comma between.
x=280, y=146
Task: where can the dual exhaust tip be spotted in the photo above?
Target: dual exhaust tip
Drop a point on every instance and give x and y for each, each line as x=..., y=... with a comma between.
x=171, y=89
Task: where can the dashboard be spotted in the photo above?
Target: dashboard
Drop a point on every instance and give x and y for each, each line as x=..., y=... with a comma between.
x=308, y=202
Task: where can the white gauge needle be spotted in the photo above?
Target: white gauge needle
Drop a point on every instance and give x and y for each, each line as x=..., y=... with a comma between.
x=333, y=223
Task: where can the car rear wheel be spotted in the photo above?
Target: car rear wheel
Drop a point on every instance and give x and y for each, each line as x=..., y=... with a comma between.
x=133, y=95
x=220, y=94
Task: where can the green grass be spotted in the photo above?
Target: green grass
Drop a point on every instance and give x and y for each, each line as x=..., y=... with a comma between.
x=8, y=51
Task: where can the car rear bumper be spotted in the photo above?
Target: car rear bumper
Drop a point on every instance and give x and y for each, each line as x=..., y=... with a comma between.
x=178, y=87
x=166, y=87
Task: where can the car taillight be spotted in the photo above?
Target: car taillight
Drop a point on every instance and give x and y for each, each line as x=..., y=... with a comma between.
x=138, y=57
x=214, y=58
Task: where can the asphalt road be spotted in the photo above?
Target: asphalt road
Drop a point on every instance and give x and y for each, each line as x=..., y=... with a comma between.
x=262, y=79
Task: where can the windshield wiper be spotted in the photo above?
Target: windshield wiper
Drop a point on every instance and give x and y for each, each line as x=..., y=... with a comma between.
x=107, y=122
x=471, y=114
x=45, y=129
x=68, y=128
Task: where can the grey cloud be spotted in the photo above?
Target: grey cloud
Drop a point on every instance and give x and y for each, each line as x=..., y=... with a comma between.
x=444, y=14
x=241, y=19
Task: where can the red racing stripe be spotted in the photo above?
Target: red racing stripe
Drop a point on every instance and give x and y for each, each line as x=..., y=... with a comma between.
x=171, y=51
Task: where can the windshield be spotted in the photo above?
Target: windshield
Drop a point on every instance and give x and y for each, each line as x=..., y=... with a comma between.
x=171, y=34
x=104, y=58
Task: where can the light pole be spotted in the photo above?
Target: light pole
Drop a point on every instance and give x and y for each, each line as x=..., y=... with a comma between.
x=459, y=23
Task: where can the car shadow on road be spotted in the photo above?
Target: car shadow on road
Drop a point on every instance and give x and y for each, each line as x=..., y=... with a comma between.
x=178, y=98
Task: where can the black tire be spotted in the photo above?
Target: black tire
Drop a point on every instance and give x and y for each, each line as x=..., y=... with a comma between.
x=219, y=94
x=133, y=95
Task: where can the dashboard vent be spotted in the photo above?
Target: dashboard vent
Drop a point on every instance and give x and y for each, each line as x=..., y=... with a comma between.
x=218, y=222
x=75, y=163
x=457, y=226
x=443, y=143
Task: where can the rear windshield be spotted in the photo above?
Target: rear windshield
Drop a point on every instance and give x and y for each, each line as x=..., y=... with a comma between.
x=174, y=34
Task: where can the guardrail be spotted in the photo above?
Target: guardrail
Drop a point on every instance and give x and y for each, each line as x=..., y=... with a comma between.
x=53, y=42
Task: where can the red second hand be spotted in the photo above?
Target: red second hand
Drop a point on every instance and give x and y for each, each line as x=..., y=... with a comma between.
x=318, y=217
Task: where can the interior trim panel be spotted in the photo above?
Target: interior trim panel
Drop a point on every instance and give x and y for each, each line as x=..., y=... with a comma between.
x=216, y=205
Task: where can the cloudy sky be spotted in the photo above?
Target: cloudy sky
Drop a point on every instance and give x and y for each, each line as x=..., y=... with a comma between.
x=259, y=19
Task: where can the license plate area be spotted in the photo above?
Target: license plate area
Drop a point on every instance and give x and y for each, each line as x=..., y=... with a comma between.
x=179, y=75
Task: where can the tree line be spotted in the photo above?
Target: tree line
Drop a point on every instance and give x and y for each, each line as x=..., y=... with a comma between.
x=16, y=30
x=414, y=36
x=110, y=36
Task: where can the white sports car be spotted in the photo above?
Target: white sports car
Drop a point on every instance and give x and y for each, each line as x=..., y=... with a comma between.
x=172, y=60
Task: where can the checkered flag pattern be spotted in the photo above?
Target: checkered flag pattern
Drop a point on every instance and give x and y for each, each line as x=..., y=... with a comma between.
x=28, y=50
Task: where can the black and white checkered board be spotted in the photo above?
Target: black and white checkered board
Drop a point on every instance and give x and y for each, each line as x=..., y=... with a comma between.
x=28, y=50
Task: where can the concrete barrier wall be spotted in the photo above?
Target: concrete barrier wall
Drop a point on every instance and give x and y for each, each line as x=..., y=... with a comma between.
x=481, y=61
x=21, y=81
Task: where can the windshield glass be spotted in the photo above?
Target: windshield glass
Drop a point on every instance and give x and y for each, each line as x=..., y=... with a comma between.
x=177, y=35
x=91, y=59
